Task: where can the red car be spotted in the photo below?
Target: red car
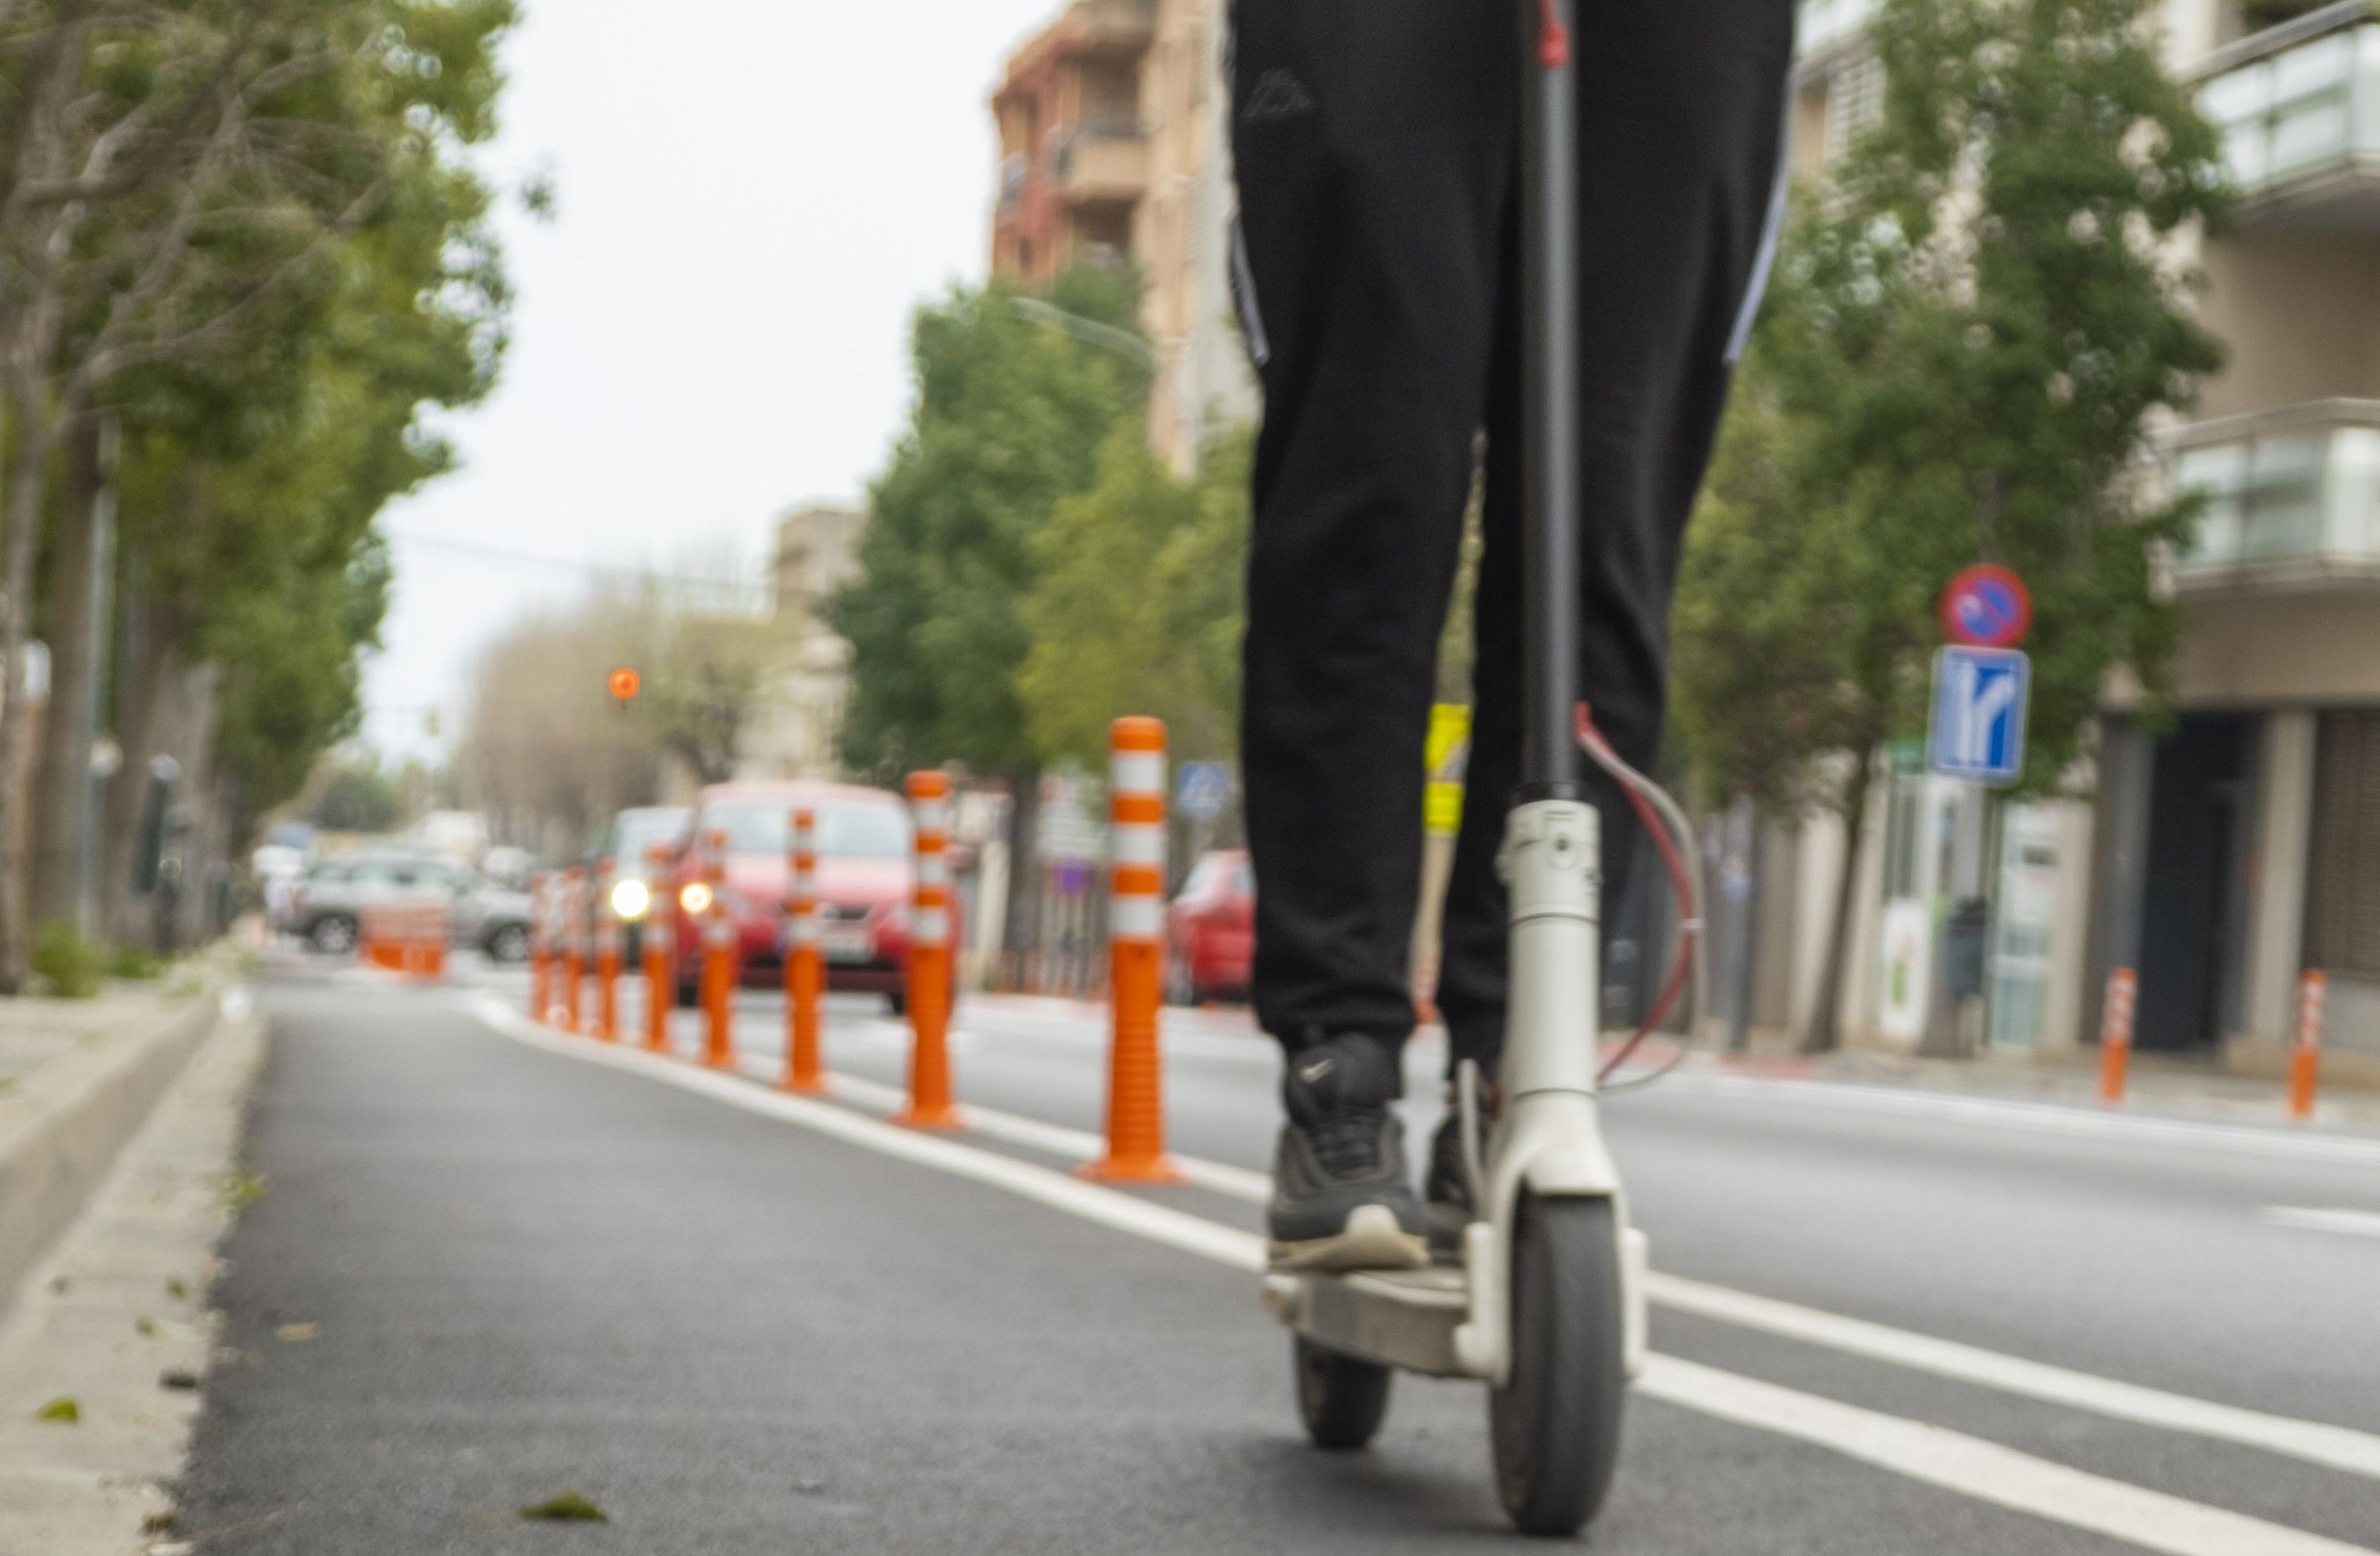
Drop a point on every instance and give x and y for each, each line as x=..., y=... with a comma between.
x=1211, y=930
x=866, y=875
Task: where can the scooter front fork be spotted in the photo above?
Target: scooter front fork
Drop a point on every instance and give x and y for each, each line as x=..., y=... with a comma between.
x=1549, y=1139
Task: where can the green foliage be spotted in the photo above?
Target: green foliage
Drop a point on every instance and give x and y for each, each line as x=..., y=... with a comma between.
x=1968, y=338
x=134, y=965
x=1010, y=419
x=358, y=797
x=1139, y=605
x=69, y=964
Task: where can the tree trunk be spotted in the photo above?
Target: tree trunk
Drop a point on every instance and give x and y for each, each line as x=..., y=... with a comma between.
x=35, y=429
x=62, y=783
x=1824, y=1030
x=149, y=672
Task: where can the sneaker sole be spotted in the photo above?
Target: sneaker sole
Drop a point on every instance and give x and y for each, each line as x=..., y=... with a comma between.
x=1371, y=1240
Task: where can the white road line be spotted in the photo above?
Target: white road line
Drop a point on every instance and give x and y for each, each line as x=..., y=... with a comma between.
x=1968, y=1465
x=2339, y=1448
x=2049, y=1119
x=1972, y=1466
x=2332, y=1447
x=2351, y=1223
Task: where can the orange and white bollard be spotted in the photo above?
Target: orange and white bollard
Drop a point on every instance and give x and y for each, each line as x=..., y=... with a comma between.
x=607, y=959
x=805, y=971
x=540, y=947
x=574, y=943
x=718, y=960
x=1136, y=1151
x=660, y=938
x=2115, y=1035
x=2305, y=1053
x=930, y=1105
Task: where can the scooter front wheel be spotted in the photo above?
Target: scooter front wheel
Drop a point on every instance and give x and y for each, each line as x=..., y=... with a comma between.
x=1555, y=1424
x=1341, y=1398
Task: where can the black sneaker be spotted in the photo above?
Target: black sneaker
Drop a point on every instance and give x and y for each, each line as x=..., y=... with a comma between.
x=1341, y=1200
x=1446, y=1192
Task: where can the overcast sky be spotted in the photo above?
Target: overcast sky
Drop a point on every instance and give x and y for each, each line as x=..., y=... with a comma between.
x=753, y=195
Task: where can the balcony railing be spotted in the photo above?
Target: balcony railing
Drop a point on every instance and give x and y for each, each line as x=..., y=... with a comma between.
x=2298, y=109
x=2292, y=498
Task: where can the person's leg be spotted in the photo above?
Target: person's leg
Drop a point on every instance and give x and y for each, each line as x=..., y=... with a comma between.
x=1372, y=139
x=1681, y=141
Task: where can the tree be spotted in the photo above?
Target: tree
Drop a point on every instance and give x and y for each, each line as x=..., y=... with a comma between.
x=1973, y=331
x=247, y=231
x=357, y=797
x=1010, y=419
x=1140, y=604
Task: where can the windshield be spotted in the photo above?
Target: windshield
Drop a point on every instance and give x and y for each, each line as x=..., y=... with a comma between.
x=636, y=832
x=846, y=828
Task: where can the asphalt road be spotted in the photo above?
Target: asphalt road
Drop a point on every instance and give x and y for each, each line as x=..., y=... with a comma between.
x=737, y=1333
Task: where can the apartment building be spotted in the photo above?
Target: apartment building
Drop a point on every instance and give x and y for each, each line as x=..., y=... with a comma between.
x=1113, y=135
x=794, y=736
x=2228, y=852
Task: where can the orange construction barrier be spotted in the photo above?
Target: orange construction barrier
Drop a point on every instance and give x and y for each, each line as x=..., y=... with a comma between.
x=2305, y=1053
x=1136, y=1151
x=574, y=943
x=805, y=972
x=930, y=1105
x=408, y=937
x=718, y=960
x=607, y=959
x=540, y=947
x=2115, y=1035
x=660, y=940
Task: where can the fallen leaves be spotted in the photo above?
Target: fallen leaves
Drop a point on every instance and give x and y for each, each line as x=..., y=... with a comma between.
x=297, y=1333
x=568, y=1508
x=64, y=1411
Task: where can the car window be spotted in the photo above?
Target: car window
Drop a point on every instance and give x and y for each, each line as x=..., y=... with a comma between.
x=846, y=828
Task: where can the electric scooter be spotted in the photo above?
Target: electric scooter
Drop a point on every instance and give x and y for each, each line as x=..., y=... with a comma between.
x=1548, y=1305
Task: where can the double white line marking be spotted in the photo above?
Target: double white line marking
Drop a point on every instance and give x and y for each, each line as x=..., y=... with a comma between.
x=1955, y=1461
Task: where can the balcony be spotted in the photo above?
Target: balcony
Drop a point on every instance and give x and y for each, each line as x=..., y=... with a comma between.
x=2292, y=498
x=1823, y=27
x=1100, y=161
x=2298, y=109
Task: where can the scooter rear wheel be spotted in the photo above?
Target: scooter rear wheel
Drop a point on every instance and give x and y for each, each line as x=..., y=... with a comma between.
x=1555, y=1424
x=1341, y=1398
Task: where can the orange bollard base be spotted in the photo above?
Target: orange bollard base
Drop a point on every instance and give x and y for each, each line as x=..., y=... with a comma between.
x=2305, y=1074
x=659, y=997
x=2114, y=1069
x=940, y=1120
x=1131, y=1169
x=717, y=1005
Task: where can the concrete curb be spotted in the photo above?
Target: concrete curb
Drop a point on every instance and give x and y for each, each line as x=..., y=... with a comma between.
x=84, y=1108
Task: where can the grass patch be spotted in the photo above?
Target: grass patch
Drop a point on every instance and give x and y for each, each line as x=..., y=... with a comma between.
x=568, y=1508
x=66, y=962
x=134, y=964
x=242, y=1188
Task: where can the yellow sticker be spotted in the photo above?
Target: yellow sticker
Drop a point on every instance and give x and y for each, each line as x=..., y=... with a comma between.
x=1448, y=753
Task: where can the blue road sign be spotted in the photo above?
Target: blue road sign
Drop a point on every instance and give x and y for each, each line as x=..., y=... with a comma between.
x=1980, y=698
x=1203, y=790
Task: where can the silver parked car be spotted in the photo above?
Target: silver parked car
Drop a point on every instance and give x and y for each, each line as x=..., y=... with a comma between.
x=328, y=909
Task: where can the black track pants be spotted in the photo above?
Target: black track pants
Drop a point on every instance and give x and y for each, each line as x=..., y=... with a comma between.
x=1378, y=267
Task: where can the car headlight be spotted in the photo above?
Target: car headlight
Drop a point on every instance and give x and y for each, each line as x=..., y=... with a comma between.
x=696, y=898
x=630, y=899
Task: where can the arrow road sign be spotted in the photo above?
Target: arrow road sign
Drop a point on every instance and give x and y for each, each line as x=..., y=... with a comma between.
x=1980, y=701
x=1203, y=791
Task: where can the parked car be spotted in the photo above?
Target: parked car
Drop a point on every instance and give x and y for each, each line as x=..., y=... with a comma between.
x=327, y=910
x=626, y=845
x=864, y=878
x=1211, y=930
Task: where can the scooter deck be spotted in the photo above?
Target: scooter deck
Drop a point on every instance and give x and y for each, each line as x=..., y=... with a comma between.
x=1400, y=1318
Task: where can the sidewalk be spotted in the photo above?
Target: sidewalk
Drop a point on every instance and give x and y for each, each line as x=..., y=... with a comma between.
x=2158, y=1086
x=77, y=1078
